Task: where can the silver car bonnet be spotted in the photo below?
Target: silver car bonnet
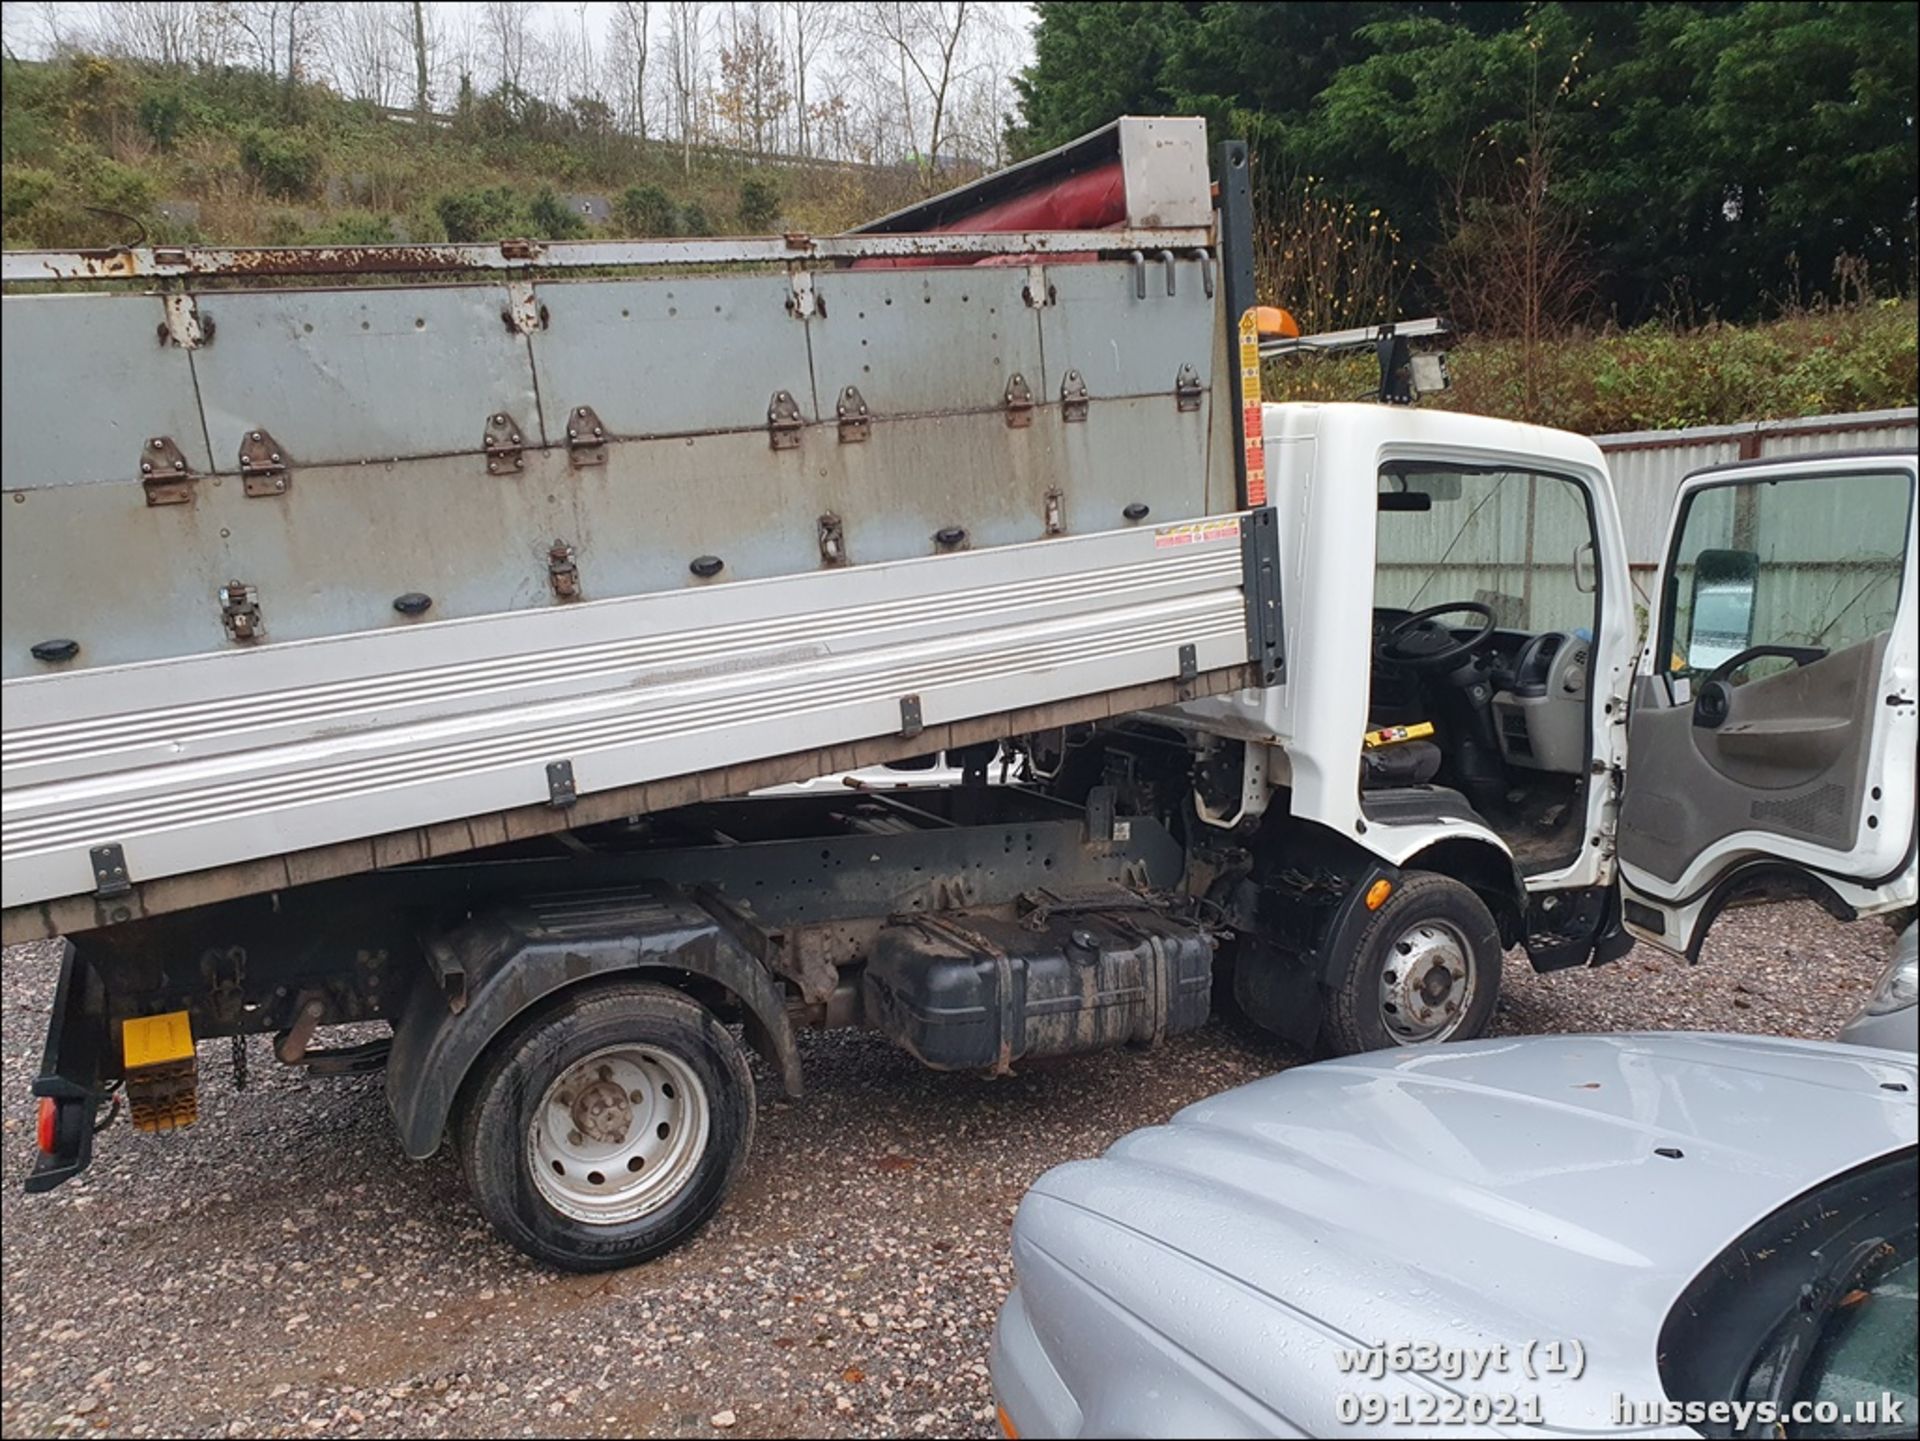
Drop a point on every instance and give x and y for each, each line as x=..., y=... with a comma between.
x=1495, y=1193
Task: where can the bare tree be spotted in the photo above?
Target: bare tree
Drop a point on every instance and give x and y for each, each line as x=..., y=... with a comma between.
x=508, y=28
x=364, y=44
x=1515, y=263
x=628, y=43
x=926, y=37
x=685, y=21
x=420, y=66
x=752, y=94
x=161, y=30
x=809, y=27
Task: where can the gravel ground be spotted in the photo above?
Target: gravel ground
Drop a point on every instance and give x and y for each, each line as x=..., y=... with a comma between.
x=281, y=1269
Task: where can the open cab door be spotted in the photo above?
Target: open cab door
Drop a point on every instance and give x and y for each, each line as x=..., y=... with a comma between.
x=1771, y=737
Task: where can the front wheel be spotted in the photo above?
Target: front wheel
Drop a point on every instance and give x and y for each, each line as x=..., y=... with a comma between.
x=608, y=1128
x=1425, y=968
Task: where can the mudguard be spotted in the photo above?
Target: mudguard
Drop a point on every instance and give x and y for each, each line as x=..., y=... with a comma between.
x=497, y=967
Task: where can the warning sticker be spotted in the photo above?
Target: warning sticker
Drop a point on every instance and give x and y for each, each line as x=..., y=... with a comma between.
x=1199, y=532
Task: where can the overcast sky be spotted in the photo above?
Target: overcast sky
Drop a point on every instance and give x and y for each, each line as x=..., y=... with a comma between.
x=28, y=23
x=882, y=81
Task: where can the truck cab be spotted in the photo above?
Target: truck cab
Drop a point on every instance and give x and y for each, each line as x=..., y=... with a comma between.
x=1468, y=695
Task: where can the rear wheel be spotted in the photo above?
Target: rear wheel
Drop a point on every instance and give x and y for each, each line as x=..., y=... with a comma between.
x=608, y=1128
x=1426, y=968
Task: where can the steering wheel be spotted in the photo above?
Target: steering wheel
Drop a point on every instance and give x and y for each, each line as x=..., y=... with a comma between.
x=1420, y=642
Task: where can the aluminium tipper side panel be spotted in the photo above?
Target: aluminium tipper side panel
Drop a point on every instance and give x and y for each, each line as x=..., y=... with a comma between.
x=214, y=760
x=389, y=513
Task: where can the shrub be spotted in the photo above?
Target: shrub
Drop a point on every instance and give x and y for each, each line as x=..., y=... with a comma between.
x=281, y=226
x=113, y=186
x=552, y=218
x=759, y=205
x=163, y=115
x=23, y=188
x=286, y=162
x=693, y=220
x=645, y=210
x=355, y=227
x=478, y=214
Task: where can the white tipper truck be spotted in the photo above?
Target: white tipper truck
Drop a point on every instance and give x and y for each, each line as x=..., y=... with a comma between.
x=400, y=634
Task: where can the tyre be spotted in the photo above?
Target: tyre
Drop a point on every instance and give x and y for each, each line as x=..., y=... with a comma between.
x=608, y=1127
x=1426, y=968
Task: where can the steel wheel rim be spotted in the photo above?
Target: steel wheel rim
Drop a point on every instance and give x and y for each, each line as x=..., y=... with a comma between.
x=1428, y=983
x=618, y=1135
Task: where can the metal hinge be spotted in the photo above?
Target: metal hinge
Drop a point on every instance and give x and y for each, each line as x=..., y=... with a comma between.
x=1019, y=402
x=1038, y=293
x=910, y=719
x=586, y=437
x=1073, y=396
x=562, y=574
x=801, y=300
x=110, y=876
x=1056, y=512
x=240, y=611
x=855, y=424
x=560, y=788
x=502, y=444
x=182, y=324
x=1189, y=664
x=524, y=313
x=164, y=472
x=1187, y=388
x=263, y=465
x=783, y=421
x=833, y=540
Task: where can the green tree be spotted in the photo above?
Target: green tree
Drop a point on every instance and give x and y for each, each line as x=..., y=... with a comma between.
x=759, y=205
x=1710, y=152
x=645, y=210
x=552, y=218
x=468, y=216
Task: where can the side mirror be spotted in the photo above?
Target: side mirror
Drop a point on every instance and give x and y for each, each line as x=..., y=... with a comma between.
x=1720, y=616
x=1586, y=574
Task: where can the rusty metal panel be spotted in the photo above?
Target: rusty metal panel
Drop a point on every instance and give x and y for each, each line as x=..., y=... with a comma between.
x=1122, y=342
x=267, y=262
x=670, y=356
x=924, y=341
x=89, y=382
x=339, y=376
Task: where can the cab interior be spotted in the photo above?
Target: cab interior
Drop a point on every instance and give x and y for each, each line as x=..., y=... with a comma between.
x=1485, y=606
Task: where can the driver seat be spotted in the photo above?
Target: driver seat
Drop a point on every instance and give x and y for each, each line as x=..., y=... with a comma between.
x=1406, y=763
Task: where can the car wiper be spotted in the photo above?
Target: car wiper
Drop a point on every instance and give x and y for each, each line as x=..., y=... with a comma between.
x=1784, y=1361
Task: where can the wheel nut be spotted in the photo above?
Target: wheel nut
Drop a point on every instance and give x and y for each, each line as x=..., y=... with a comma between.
x=636, y=1097
x=574, y=1138
x=606, y=1073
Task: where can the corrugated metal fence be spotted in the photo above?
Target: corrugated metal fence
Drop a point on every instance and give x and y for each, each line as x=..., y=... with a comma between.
x=1648, y=465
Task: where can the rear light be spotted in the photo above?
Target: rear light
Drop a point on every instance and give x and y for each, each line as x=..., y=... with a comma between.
x=49, y=1118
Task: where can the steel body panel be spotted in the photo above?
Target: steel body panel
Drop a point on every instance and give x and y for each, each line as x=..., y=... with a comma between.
x=378, y=400
x=671, y=356
x=330, y=555
x=1123, y=343
x=926, y=341
x=352, y=375
x=212, y=760
x=53, y=433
